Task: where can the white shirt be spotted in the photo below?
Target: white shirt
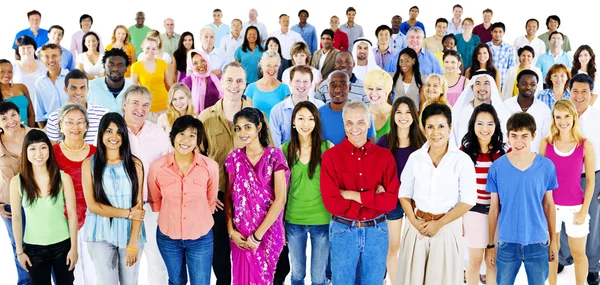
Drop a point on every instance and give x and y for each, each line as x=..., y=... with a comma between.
x=322, y=59
x=437, y=190
x=216, y=58
x=538, y=46
x=590, y=120
x=540, y=112
x=228, y=46
x=287, y=40
x=90, y=68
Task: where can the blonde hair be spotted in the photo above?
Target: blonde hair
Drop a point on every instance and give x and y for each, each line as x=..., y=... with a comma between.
x=114, y=34
x=444, y=85
x=565, y=105
x=297, y=48
x=270, y=54
x=151, y=39
x=172, y=113
x=155, y=35
x=378, y=77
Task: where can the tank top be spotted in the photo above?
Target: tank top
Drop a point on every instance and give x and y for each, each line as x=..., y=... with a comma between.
x=455, y=90
x=568, y=172
x=23, y=105
x=383, y=130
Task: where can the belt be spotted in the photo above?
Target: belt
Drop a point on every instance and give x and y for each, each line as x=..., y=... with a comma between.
x=360, y=224
x=425, y=215
x=583, y=174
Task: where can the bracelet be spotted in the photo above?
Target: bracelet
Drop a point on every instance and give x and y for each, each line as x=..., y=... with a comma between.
x=19, y=254
x=132, y=249
x=490, y=246
x=254, y=241
x=255, y=238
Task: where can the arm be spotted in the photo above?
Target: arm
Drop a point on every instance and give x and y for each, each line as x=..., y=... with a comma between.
x=543, y=145
x=498, y=80
x=333, y=200
x=174, y=63
x=384, y=201
x=277, y=206
x=493, y=223
x=313, y=46
x=70, y=202
x=154, y=191
x=136, y=225
x=167, y=80
x=590, y=181
x=550, y=213
x=274, y=127
x=17, y=222
x=134, y=78
x=213, y=186
x=468, y=73
x=30, y=112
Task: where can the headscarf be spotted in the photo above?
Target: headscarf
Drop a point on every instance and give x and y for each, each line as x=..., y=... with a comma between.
x=199, y=85
x=360, y=72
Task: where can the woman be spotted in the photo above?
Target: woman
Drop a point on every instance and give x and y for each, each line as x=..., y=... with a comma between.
x=406, y=137
x=571, y=153
x=434, y=91
x=407, y=80
x=484, y=145
x=50, y=240
x=273, y=45
x=452, y=62
x=584, y=61
x=437, y=188
x=301, y=56
x=120, y=40
x=255, y=198
x=378, y=87
x=267, y=91
x=180, y=104
x=90, y=60
x=249, y=54
x=204, y=85
x=557, y=85
x=70, y=153
x=305, y=212
x=184, y=242
x=152, y=73
x=466, y=42
x=16, y=93
x=112, y=185
x=448, y=43
x=526, y=55
x=482, y=60
x=159, y=52
x=185, y=45
x=27, y=68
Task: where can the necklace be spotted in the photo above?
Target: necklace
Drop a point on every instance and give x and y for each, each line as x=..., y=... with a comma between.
x=74, y=150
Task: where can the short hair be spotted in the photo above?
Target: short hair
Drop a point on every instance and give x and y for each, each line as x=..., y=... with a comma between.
x=554, y=33
x=283, y=15
x=521, y=121
x=33, y=12
x=303, y=11
x=236, y=19
x=301, y=69
x=135, y=89
x=329, y=32
x=300, y=47
x=526, y=48
x=341, y=52
x=25, y=41
x=457, y=6
x=436, y=109
x=356, y=105
x=85, y=16
x=187, y=122
x=56, y=27
x=525, y=72
x=499, y=25
x=51, y=46
x=336, y=73
x=90, y=33
x=552, y=17
x=75, y=74
x=378, y=77
x=217, y=10
x=115, y=52
x=534, y=20
x=65, y=109
x=233, y=64
x=441, y=20
x=449, y=36
x=414, y=7
x=6, y=106
x=488, y=10
x=350, y=9
x=580, y=77
x=415, y=29
x=207, y=29
x=382, y=28
x=556, y=68
x=469, y=20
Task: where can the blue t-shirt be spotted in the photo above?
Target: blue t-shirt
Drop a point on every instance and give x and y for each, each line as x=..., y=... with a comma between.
x=265, y=101
x=249, y=60
x=333, y=125
x=522, y=219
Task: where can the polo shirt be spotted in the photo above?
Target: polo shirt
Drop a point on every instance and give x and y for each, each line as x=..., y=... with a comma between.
x=249, y=60
x=280, y=120
x=50, y=96
x=94, y=114
x=405, y=26
x=137, y=36
x=547, y=60
x=40, y=40
x=485, y=35
x=100, y=95
x=169, y=45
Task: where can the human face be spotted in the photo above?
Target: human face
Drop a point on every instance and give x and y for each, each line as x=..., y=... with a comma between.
x=467, y=26
x=334, y=22
x=362, y=51
x=120, y=35
x=580, y=96
x=451, y=64
x=396, y=22
x=139, y=19
x=376, y=94
x=284, y=22
x=552, y=25
x=584, y=57
x=356, y=125
x=38, y=153
x=26, y=51
x=185, y=142
x=457, y=12
x=10, y=121
x=415, y=40
x=339, y=89
x=483, y=56
x=199, y=64
x=527, y=86
x=55, y=36
x=350, y=15
x=437, y=131
x=136, y=109
x=246, y=131
x=91, y=42
x=34, y=21
x=233, y=83
x=252, y=35
x=115, y=68
x=273, y=46
x=77, y=90
x=86, y=24
x=169, y=26
x=344, y=62
x=73, y=125
x=303, y=17
x=484, y=127
x=6, y=73
x=326, y=41
x=300, y=58
x=526, y=57
x=383, y=37
x=497, y=34
x=520, y=140
x=440, y=29
x=563, y=121
x=487, y=17
x=402, y=117
x=413, y=13
x=150, y=49
x=236, y=27
x=556, y=41
x=112, y=137
x=304, y=122
x=406, y=63
x=180, y=101
x=449, y=44
x=188, y=42
x=559, y=78
x=531, y=28
x=51, y=58
x=252, y=15
x=270, y=66
x=217, y=16
x=208, y=40
x=482, y=89
x=433, y=90
x=301, y=84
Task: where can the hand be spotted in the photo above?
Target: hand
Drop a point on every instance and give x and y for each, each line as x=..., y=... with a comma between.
x=579, y=217
x=250, y=244
x=349, y=195
x=220, y=205
x=380, y=189
x=4, y=213
x=72, y=258
x=239, y=240
x=131, y=256
x=137, y=212
x=552, y=251
x=417, y=224
x=24, y=261
x=430, y=228
x=491, y=256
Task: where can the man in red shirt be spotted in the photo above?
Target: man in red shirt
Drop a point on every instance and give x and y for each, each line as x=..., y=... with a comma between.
x=484, y=30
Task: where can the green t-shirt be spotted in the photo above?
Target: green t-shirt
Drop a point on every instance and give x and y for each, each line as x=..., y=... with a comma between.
x=136, y=38
x=304, y=204
x=384, y=129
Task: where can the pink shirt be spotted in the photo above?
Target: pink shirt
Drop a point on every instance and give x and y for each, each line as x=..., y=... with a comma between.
x=568, y=172
x=185, y=204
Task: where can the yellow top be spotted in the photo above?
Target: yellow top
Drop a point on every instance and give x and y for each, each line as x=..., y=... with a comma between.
x=130, y=51
x=155, y=82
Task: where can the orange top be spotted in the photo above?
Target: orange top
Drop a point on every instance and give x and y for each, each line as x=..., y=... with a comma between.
x=130, y=51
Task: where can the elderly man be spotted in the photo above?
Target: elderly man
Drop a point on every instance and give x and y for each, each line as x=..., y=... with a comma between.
x=324, y=59
x=40, y=36
x=262, y=29
x=49, y=89
x=286, y=36
x=138, y=32
x=344, y=63
x=215, y=56
x=428, y=62
x=359, y=184
x=170, y=39
x=108, y=91
x=221, y=29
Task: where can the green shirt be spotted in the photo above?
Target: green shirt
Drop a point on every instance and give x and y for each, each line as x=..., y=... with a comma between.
x=384, y=129
x=136, y=38
x=304, y=204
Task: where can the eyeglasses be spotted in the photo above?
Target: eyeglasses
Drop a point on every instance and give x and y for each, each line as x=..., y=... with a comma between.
x=73, y=123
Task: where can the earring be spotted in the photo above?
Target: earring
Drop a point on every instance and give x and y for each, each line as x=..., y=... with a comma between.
x=294, y=126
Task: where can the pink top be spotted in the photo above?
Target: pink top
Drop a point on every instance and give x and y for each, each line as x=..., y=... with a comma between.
x=455, y=90
x=568, y=171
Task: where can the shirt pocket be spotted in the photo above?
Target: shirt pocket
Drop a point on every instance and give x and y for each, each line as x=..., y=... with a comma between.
x=168, y=187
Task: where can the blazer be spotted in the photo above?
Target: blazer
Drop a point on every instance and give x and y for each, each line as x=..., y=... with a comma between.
x=413, y=91
x=328, y=64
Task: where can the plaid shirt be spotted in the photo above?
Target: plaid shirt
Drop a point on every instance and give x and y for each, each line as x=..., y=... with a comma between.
x=503, y=58
x=547, y=96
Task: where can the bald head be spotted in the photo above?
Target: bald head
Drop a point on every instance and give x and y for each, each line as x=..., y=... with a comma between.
x=252, y=15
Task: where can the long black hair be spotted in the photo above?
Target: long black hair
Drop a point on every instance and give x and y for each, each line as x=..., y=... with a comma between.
x=180, y=53
x=415, y=69
x=246, y=44
x=124, y=152
x=276, y=40
x=25, y=41
x=256, y=117
x=90, y=33
x=416, y=136
x=470, y=142
x=489, y=65
x=316, y=139
x=29, y=185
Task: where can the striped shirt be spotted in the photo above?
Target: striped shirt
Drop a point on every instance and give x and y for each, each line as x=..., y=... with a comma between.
x=94, y=114
x=482, y=166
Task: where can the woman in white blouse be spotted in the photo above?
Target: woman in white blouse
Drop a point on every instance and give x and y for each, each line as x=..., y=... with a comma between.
x=90, y=60
x=437, y=188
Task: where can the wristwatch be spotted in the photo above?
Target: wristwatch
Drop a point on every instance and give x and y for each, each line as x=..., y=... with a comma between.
x=490, y=246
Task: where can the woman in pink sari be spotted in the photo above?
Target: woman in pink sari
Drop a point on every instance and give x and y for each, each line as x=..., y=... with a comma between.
x=205, y=86
x=255, y=198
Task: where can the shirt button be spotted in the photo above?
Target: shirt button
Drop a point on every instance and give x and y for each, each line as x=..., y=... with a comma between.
x=184, y=218
x=362, y=189
x=184, y=193
x=359, y=158
x=184, y=206
x=360, y=174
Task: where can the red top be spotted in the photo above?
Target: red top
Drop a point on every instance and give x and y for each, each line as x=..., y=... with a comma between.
x=345, y=167
x=73, y=168
x=485, y=35
x=340, y=40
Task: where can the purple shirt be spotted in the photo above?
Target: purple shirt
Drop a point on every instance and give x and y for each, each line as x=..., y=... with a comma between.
x=400, y=154
x=211, y=96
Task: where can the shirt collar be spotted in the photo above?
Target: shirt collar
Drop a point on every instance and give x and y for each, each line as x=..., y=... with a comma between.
x=365, y=149
x=425, y=148
x=198, y=159
x=353, y=78
x=63, y=72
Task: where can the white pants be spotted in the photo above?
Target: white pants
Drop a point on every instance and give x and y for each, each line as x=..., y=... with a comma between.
x=566, y=214
x=157, y=271
x=85, y=273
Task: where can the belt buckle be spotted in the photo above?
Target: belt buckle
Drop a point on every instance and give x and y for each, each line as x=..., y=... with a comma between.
x=358, y=224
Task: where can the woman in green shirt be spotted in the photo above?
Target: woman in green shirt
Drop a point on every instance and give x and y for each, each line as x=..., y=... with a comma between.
x=305, y=212
x=378, y=87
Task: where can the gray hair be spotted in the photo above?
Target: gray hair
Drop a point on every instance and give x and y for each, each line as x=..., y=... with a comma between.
x=62, y=112
x=207, y=29
x=415, y=29
x=270, y=54
x=233, y=64
x=137, y=90
x=356, y=105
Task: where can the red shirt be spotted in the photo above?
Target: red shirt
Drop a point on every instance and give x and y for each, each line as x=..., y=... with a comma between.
x=345, y=167
x=340, y=40
x=73, y=168
x=485, y=35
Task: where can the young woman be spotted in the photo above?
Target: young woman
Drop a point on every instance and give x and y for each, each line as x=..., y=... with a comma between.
x=159, y=53
x=184, y=235
x=255, y=198
x=249, y=54
x=305, y=212
x=204, y=85
x=180, y=56
x=16, y=93
x=484, y=144
x=120, y=40
x=482, y=60
x=273, y=45
x=112, y=185
x=180, y=104
x=44, y=192
x=301, y=56
x=448, y=43
x=378, y=87
x=406, y=136
x=466, y=42
x=571, y=153
x=584, y=61
x=267, y=91
x=407, y=80
x=27, y=68
x=526, y=55
x=557, y=85
x=452, y=62
x=90, y=60
x=434, y=91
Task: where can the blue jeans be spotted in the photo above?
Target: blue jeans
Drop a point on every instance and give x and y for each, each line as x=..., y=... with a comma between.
x=297, y=236
x=510, y=256
x=22, y=275
x=195, y=255
x=354, y=247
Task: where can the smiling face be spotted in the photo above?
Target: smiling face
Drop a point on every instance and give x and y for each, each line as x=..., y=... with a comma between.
x=406, y=63
x=115, y=68
x=199, y=64
x=531, y=28
x=344, y=62
x=376, y=94
x=362, y=51
x=10, y=121
x=300, y=58
x=413, y=13
x=140, y=18
x=120, y=35
x=51, y=58
x=208, y=40
x=383, y=37
x=185, y=142
x=26, y=51
x=334, y=23
x=233, y=83
x=180, y=101
x=457, y=12
x=559, y=78
x=300, y=84
x=112, y=137
x=350, y=15
x=520, y=140
x=451, y=64
x=284, y=22
x=326, y=41
x=402, y=116
x=526, y=57
x=6, y=73
x=77, y=90
x=433, y=90
x=188, y=42
x=580, y=96
x=563, y=121
x=150, y=49
x=556, y=41
x=497, y=34
x=251, y=35
x=270, y=66
x=527, y=85
x=584, y=57
x=484, y=127
x=38, y=153
x=487, y=17
x=482, y=89
x=246, y=131
x=34, y=21
x=483, y=56
x=356, y=125
x=339, y=89
x=440, y=29
x=396, y=22
x=437, y=131
x=415, y=40
x=136, y=108
x=303, y=17
x=467, y=26
x=86, y=24
x=169, y=26
x=304, y=122
x=552, y=25
x=449, y=44
x=91, y=42
x=55, y=36
x=73, y=125
x=273, y=46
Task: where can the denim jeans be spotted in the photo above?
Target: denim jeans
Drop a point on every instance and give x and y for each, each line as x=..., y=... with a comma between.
x=194, y=255
x=22, y=275
x=354, y=247
x=110, y=264
x=297, y=236
x=510, y=256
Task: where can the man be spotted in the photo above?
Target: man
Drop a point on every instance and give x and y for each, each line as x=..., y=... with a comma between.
x=55, y=35
x=340, y=39
x=344, y=62
x=555, y=55
x=108, y=91
x=529, y=39
x=280, y=121
x=503, y=54
x=581, y=86
x=85, y=24
x=170, y=39
x=138, y=32
x=148, y=142
x=484, y=30
x=39, y=35
x=527, y=102
x=221, y=29
x=353, y=30
x=428, y=62
x=286, y=36
x=383, y=51
x=522, y=183
x=455, y=26
x=49, y=89
x=216, y=59
x=358, y=185
x=553, y=23
x=398, y=39
x=324, y=59
x=76, y=86
x=262, y=29
x=307, y=31
x=434, y=44
x=230, y=42
x=364, y=58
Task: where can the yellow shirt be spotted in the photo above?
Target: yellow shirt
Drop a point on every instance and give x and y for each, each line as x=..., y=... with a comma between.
x=516, y=89
x=155, y=82
x=130, y=51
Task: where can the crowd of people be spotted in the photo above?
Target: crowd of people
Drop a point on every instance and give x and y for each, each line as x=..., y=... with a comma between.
x=229, y=153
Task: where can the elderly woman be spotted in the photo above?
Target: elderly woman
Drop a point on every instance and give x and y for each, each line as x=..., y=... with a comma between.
x=267, y=91
x=301, y=56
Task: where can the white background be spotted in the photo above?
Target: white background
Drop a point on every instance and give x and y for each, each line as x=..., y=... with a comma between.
x=576, y=17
